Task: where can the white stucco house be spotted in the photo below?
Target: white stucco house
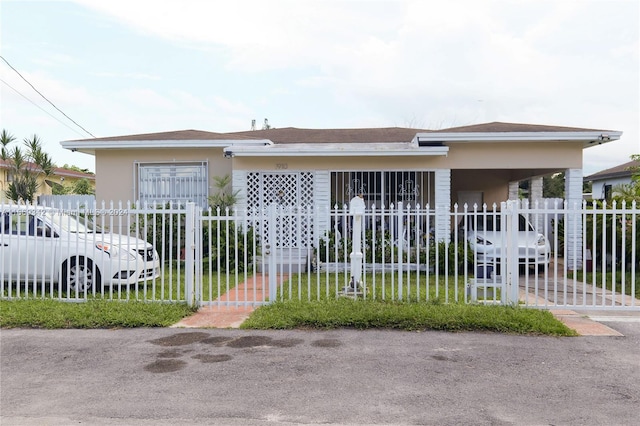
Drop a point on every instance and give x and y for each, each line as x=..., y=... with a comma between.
x=603, y=182
x=481, y=163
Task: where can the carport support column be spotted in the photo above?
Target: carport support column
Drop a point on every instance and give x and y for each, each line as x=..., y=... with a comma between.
x=535, y=190
x=573, y=220
x=514, y=190
x=535, y=196
x=443, y=204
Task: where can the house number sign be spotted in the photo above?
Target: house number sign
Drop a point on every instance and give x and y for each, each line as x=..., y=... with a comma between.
x=282, y=166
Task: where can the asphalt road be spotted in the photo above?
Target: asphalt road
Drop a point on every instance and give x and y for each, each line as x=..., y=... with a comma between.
x=346, y=377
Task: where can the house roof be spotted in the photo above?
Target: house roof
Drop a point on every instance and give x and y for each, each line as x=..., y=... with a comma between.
x=362, y=135
x=173, y=139
x=622, y=170
x=57, y=171
x=345, y=141
x=519, y=132
x=169, y=136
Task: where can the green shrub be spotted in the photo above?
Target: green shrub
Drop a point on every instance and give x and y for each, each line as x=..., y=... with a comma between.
x=228, y=246
x=225, y=242
x=379, y=248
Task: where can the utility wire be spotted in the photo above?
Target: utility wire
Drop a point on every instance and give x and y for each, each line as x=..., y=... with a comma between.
x=44, y=97
x=44, y=110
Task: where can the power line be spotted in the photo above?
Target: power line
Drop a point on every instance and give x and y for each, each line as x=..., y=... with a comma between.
x=44, y=110
x=44, y=97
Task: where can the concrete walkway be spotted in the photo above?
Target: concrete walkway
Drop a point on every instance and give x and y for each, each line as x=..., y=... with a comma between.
x=232, y=310
x=583, y=324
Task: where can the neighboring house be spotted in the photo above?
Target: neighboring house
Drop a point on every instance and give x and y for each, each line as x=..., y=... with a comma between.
x=481, y=163
x=59, y=176
x=603, y=182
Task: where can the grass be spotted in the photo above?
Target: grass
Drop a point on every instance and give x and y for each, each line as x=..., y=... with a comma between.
x=410, y=316
x=303, y=301
x=306, y=301
x=95, y=313
x=379, y=286
x=170, y=286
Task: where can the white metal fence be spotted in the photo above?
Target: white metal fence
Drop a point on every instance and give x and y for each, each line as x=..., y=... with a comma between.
x=537, y=256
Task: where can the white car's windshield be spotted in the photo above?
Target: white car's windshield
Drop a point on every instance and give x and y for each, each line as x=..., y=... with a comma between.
x=74, y=224
x=493, y=223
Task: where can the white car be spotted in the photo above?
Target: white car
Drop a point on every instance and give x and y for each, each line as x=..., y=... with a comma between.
x=485, y=234
x=44, y=245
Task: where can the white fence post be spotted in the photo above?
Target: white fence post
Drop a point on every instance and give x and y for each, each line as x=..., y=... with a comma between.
x=270, y=252
x=400, y=239
x=509, y=257
x=189, y=258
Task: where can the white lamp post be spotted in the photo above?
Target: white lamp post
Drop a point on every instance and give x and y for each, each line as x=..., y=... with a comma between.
x=356, y=209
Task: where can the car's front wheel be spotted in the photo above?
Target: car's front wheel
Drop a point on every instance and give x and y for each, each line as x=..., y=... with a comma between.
x=79, y=274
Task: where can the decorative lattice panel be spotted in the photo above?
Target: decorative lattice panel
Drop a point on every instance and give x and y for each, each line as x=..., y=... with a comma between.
x=293, y=194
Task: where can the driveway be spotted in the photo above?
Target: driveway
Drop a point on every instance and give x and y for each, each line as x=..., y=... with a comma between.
x=228, y=376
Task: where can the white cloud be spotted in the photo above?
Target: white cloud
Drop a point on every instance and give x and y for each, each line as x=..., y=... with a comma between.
x=367, y=63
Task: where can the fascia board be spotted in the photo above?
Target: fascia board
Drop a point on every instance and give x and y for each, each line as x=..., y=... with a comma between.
x=588, y=137
x=84, y=146
x=333, y=151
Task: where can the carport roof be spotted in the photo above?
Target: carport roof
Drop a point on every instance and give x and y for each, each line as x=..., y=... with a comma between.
x=500, y=127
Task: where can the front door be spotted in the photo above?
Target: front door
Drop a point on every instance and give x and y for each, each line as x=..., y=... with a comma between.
x=292, y=193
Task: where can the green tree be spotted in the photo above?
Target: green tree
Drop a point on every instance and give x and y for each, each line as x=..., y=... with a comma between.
x=26, y=166
x=82, y=187
x=76, y=169
x=553, y=186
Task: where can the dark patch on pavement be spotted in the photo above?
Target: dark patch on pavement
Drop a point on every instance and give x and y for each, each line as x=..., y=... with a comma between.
x=212, y=358
x=286, y=343
x=250, y=342
x=217, y=340
x=180, y=339
x=165, y=366
x=442, y=358
x=326, y=343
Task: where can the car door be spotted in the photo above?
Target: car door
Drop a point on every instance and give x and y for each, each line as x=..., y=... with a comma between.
x=28, y=247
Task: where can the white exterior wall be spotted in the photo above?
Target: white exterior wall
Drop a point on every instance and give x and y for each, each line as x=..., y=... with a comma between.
x=239, y=186
x=443, y=204
x=597, y=187
x=321, y=202
x=573, y=222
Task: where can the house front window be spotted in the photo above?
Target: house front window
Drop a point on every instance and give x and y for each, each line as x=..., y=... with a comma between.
x=382, y=188
x=179, y=183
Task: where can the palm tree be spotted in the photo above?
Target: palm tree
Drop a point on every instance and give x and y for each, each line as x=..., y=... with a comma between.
x=223, y=198
x=628, y=192
x=26, y=166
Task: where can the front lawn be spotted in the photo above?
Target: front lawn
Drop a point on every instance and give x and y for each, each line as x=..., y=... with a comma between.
x=94, y=313
x=412, y=316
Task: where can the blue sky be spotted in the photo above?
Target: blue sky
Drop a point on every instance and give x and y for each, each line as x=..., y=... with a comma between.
x=125, y=67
